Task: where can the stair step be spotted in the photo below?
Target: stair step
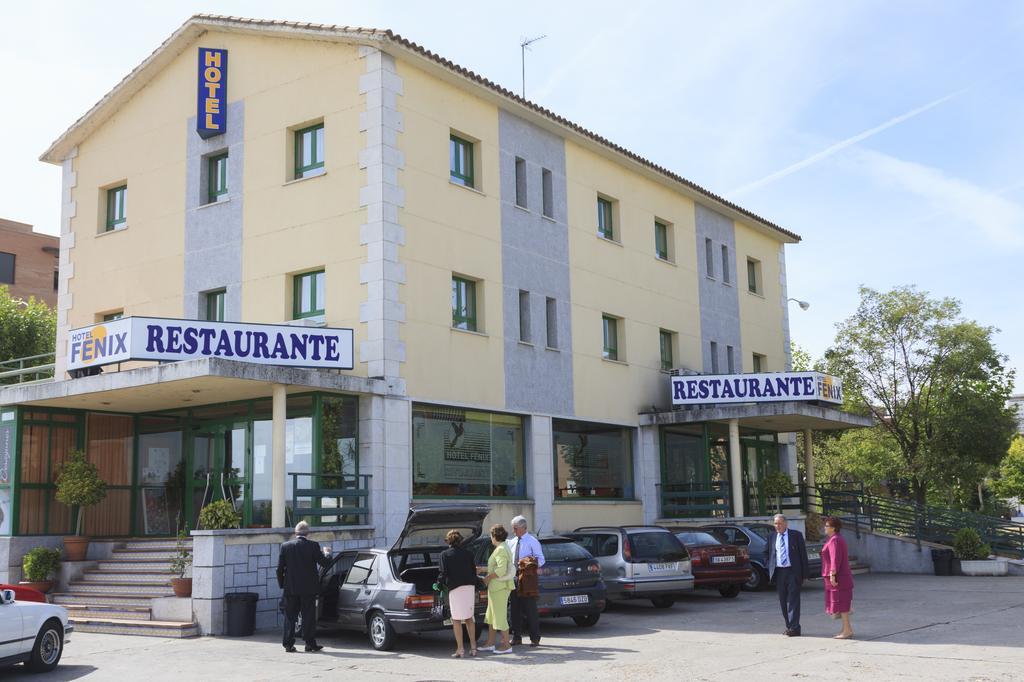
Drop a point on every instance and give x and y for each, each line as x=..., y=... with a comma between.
x=80, y=612
x=91, y=574
x=131, y=565
x=152, y=545
x=142, y=555
x=144, y=628
x=126, y=600
x=134, y=588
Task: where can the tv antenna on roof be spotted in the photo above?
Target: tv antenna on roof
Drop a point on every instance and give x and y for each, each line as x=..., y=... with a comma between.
x=523, y=47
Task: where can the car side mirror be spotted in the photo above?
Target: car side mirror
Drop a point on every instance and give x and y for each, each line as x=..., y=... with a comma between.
x=6, y=597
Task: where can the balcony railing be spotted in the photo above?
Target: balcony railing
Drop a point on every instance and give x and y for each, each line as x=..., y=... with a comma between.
x=330, y=499
x=28, y=370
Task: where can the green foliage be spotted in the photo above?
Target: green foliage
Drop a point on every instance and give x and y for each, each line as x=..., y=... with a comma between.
x=934, y=383
x=1011, y=471
x=79, y=484
x=800, y=358
x=219, y=515
x=182, y=557
x=869, y=456
x=40, y=564
x=776, y=486
x=29, y=327
x=967, y=545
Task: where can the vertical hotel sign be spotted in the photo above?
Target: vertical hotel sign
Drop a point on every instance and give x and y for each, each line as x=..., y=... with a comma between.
x=212, y=99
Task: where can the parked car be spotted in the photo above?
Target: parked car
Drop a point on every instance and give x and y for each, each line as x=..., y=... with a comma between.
x=716, y=565
x=32, y=633
x=754, y=536
x=389, y=592
x=22, y=593
x=570, y=580
x=638, y=562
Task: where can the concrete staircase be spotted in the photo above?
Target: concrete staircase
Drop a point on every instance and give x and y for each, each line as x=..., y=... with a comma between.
x=858, y=568
x=116, y=596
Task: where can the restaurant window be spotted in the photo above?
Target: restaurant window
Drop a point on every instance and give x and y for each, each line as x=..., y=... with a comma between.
x=309, y=151
x=661, y=240
x=605, y=218
x=666, y=339
x=117, y=207
x=460, y=161
x=754, y=284
x=466, y=453
x=592, y=460
x=610, y=332
x=464, y=304
x=308, y=295
x=217, y=177
x=215, y=305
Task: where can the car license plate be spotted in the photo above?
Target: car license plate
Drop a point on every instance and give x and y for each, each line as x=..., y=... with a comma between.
x=447, y=621
x=658, y=568
x=574, y=599
x=813, y=555
x=723, y=559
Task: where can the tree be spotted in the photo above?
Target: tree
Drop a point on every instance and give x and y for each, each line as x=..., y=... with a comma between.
x=1011, y=471
x=29, y=327
x=800, y=359
x=932, y=380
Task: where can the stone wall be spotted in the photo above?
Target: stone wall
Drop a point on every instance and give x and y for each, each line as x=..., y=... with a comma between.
x=226, y=561
x=890, y=554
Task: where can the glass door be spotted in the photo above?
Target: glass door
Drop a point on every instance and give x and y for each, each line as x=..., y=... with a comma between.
x=760, y=458
x=219, y=471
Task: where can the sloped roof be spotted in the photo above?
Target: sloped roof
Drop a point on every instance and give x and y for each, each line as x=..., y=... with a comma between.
x=199, y=24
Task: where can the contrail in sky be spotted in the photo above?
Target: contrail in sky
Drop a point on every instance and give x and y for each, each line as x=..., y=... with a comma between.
x=843, y=144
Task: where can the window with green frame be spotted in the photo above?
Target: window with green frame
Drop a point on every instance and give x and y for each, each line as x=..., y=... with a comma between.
x=592, y=460
x=117, y=207
x=215, y=304
x=309, y=151
x=110, y=317
x=665, y=338
x=610, y=328
x=661, y=240
x=308, y=297
x=605, y=228
x=460, y=155
x=464, y=304
x=217, y=174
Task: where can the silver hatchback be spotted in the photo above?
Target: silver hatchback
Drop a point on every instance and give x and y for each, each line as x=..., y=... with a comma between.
x=639, y=562
x=389, y=592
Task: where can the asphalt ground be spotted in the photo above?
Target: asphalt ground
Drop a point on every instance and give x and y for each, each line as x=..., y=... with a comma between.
x=907, y=628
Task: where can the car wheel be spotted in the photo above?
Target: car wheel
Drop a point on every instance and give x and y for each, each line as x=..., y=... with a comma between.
x=587, y=621
x=48, y=647
x=729, y=591
x=663, y=602
x=758, y=579
x=382, y=635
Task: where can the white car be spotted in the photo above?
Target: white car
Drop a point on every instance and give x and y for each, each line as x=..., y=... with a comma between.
x=32, y=633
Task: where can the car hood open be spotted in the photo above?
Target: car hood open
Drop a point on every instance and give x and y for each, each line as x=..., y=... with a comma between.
x=427, y=524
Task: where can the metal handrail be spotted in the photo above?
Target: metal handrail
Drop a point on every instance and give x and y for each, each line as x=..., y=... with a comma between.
x=17, y=368
x=338, y=487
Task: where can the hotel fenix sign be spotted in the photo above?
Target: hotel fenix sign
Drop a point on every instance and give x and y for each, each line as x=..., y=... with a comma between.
x=212, y=96
x=756, y=388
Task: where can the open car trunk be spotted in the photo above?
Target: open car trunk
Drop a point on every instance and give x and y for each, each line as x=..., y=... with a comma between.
x=423, y=577
x=415, y=557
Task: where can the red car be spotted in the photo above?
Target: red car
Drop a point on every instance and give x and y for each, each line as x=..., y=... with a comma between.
x=22, y=593
x=714, y=564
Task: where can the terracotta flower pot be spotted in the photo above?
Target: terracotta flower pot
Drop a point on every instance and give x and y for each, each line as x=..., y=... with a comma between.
x=75, y=548
x=43, y=586
x=182, y=587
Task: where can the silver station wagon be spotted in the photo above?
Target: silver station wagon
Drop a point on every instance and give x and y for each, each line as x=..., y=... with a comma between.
x=389, y=592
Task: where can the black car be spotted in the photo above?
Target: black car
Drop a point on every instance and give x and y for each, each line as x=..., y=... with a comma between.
x=570, y=580
x=754, y=538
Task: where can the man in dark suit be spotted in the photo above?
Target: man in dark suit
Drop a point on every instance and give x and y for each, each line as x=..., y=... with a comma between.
x=787, y=563
x=297, y=575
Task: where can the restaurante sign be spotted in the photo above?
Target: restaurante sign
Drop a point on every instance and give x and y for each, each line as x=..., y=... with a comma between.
x=756, y=388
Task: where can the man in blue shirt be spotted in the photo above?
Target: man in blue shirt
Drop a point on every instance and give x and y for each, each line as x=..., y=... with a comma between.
x=524, y=545
x=787, y=563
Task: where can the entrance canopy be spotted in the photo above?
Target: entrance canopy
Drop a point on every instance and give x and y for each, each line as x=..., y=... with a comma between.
x=778, y=417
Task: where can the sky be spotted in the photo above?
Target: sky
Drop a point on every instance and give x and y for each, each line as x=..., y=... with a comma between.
x=888, y=135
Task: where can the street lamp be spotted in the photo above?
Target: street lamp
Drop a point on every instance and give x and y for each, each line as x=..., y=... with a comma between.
x=804, y=305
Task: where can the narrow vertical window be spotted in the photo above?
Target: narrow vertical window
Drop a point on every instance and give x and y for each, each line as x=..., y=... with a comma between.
x=730, y=360
x=7, y=261
x=714, y=358
x=754, y=276
x=215, y=305
x=665, y=339
x=661, y=240
x=524, y=316
x=551, y=315
x=611, y=337
x=547, y=190
x=709, y=257
x=605, y=228
x=464, y=304
x=725, y=264
x=217, y=174
x=521, y=199
x=758, y=363
x=309, y=151
x=117, y=207
x=308, y=297
x=460, y=156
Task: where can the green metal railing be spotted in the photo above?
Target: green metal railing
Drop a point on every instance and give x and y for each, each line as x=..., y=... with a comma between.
x=27, y=370
x=330, y=499
x=699, y=500
x=923, y=523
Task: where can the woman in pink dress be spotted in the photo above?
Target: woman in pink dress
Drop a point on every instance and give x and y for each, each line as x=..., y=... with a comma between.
x=835, y=569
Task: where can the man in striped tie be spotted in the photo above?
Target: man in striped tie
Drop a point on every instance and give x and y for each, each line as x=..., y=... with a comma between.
x=787, y=565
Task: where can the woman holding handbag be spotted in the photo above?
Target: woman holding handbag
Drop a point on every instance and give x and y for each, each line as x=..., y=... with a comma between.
x=458, y=577
x=498, y=577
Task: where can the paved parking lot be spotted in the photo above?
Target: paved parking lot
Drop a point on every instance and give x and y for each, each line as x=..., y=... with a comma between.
x=908, y=628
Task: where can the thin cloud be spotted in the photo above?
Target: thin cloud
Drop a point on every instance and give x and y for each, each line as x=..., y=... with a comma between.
x=839, y=146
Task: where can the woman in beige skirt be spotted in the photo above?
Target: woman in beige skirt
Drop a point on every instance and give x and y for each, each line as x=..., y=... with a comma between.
x=458, y=574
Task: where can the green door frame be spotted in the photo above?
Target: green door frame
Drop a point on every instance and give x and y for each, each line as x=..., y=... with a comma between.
x=761, y=449
x=214, y=487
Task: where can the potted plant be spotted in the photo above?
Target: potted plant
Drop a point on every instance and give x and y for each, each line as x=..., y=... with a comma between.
x=38, y=567
x=219, y=515
x=79, y=486
x=180, y=563
x=777, y=486
x=974, y=555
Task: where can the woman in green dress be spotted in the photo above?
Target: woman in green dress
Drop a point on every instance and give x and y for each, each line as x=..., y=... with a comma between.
x=498, y=578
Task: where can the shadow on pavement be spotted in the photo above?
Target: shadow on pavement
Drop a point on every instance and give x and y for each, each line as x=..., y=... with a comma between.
x=63, y=672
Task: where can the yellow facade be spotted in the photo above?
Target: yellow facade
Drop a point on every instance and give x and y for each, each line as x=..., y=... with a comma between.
x=761, y=314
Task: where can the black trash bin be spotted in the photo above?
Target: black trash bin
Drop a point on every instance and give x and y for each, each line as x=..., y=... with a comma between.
x=241, y=613
x=943, y=561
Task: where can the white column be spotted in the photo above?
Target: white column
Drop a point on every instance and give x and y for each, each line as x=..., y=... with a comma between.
x=542, y=477
x=809, y=466
x=735, y=468
x=277, y=493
